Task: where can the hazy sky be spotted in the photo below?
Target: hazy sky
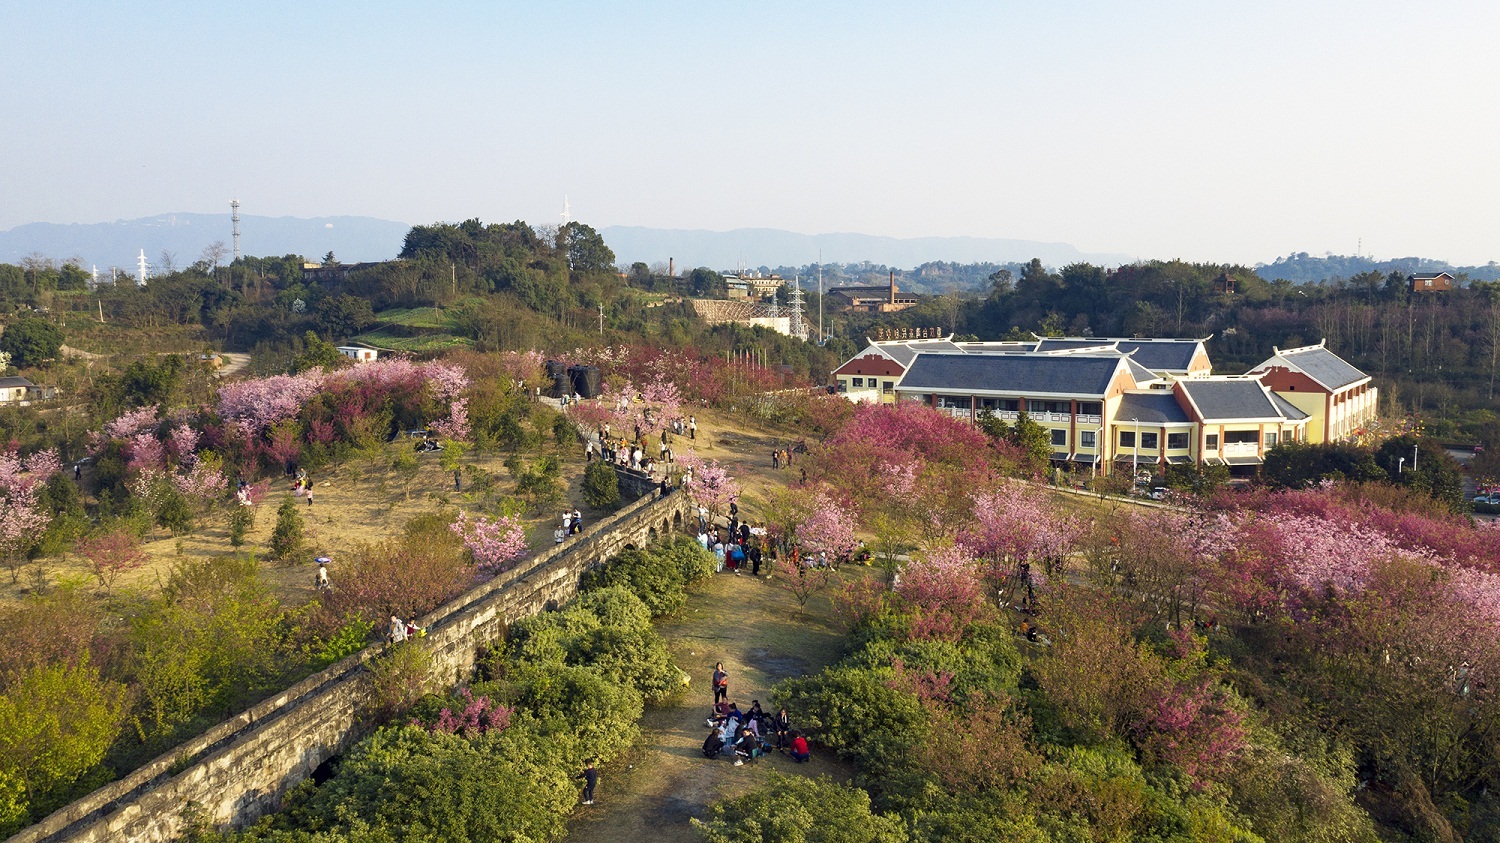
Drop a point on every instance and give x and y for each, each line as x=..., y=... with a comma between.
x=1202, y=130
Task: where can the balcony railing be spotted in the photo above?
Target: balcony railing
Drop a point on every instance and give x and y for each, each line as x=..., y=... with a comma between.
x=1240, y=449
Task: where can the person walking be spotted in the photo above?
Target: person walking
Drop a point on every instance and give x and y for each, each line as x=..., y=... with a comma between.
x=693, y=428
x=577, y=521
x=590, y=778
x=567, y=523
x=721, y=683
x=320, y=581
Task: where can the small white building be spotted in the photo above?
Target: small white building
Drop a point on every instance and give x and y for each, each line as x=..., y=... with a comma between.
x=13, y=390
x=359, y=353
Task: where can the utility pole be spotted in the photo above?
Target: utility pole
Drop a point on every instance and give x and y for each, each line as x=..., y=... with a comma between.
x=601, y=319
x=821, y=335
x=234, y=216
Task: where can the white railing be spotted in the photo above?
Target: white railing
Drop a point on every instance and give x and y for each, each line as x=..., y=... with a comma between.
x=957, y=412
x=1085, y=419
x=1240, y=449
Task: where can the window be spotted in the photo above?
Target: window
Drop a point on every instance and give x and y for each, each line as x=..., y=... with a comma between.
x=1270, y=440
x=1127, y=439
x=1010, y=405
x=1241, y=437
x=890, y=386
x=1212, y=442
x=1087, y=439
x=1090, y=408
x=859, y=381
x=1059, y=438
x=1148, y=440
x=1177, y=440
x=1063, y=407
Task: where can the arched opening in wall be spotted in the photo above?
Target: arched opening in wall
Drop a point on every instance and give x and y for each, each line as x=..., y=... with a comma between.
x=677, y=521
x=631, y=546
x=666, y=527
x=323, y=772
x=651, y=536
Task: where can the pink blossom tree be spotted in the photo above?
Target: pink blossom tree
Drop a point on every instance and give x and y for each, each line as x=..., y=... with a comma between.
x=494, y=543
x=111, y=554
x=23, y=519
x=827, y=529
x=710, y=484
x=944, y=587
x=131, y=423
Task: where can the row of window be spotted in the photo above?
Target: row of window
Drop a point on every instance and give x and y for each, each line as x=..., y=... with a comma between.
x=1150, y=439
x=874, y=383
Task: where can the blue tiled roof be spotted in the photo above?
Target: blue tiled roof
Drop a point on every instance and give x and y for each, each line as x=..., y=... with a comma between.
x=1156, y=355
x=1012, y=374
x=1323, y=366
x=1158, y=407
x=1241, y=398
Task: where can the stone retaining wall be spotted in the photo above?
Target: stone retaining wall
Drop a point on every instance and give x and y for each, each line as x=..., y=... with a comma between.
x=240, y=769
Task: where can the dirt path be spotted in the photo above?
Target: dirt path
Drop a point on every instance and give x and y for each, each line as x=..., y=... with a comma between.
x=651, y=792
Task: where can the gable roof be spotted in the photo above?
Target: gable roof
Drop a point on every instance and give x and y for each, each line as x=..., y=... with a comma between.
x=905, y=352
x=13, y=382
x=1030, y=374
x=1237, y=399
x=1329, y=370
x=1158, y=355
x=1424, y=276
x=1155, y=407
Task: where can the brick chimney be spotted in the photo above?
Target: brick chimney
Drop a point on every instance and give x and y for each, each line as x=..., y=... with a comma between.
x=893, y=287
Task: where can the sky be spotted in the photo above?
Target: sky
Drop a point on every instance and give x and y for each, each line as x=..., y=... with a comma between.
x=1226, y=132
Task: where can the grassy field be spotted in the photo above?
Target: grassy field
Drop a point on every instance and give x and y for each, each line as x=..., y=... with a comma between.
x=358, y=502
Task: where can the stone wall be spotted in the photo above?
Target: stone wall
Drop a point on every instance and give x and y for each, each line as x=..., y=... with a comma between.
x=240, y=769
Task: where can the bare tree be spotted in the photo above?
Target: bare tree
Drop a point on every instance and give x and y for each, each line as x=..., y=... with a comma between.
x=166, y=263
x=213, y=253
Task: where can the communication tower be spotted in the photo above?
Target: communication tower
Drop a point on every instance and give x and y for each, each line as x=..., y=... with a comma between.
x=567, y=212
x=798, y=326
x=140, y=264
x=234, y=216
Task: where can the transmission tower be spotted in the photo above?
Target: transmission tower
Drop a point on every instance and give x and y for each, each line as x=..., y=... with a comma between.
x=798, y=326
x=234, y=215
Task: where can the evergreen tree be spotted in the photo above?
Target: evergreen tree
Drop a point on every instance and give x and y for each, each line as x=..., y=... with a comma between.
x=286, y=539
x=601, y=486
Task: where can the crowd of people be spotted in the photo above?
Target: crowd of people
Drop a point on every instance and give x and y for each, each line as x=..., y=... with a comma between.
x=749, y=734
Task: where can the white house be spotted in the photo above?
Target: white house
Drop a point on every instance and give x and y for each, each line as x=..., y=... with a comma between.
x=359, y=353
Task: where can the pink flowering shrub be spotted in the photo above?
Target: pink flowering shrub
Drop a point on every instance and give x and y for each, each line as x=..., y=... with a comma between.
x=478, y=716
x=1194, y=724
x=1015, y=523
x=494, y=543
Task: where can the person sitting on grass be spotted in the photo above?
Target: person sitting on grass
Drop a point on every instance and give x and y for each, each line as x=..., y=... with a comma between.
x=800, y=752
x=713, y=745
x=747, y=745
x=782, y=724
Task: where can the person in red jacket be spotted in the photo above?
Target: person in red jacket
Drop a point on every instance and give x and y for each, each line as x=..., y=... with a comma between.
x=800, y=752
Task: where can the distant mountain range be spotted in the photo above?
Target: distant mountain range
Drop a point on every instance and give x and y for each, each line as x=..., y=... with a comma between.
x=107, y=244
x=354, y=239
x=768, y=247
x=369, y=239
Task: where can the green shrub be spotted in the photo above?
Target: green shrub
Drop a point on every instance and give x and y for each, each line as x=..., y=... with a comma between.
x=658, y=575
x=793, y=808
x=601, y=486
x=241, y=522
x=173, y=512
x=857, y=713
x=401, y=676
x=609, y=630
x=286, y=539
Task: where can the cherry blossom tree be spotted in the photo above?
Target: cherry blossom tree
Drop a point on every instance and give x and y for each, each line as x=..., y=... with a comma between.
x=23, y=519
x=494, y=543
x=710, y=484
x=827, y=529
x=943, y=585
x=252, y=406
x=111, y=554
x=131, y=423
